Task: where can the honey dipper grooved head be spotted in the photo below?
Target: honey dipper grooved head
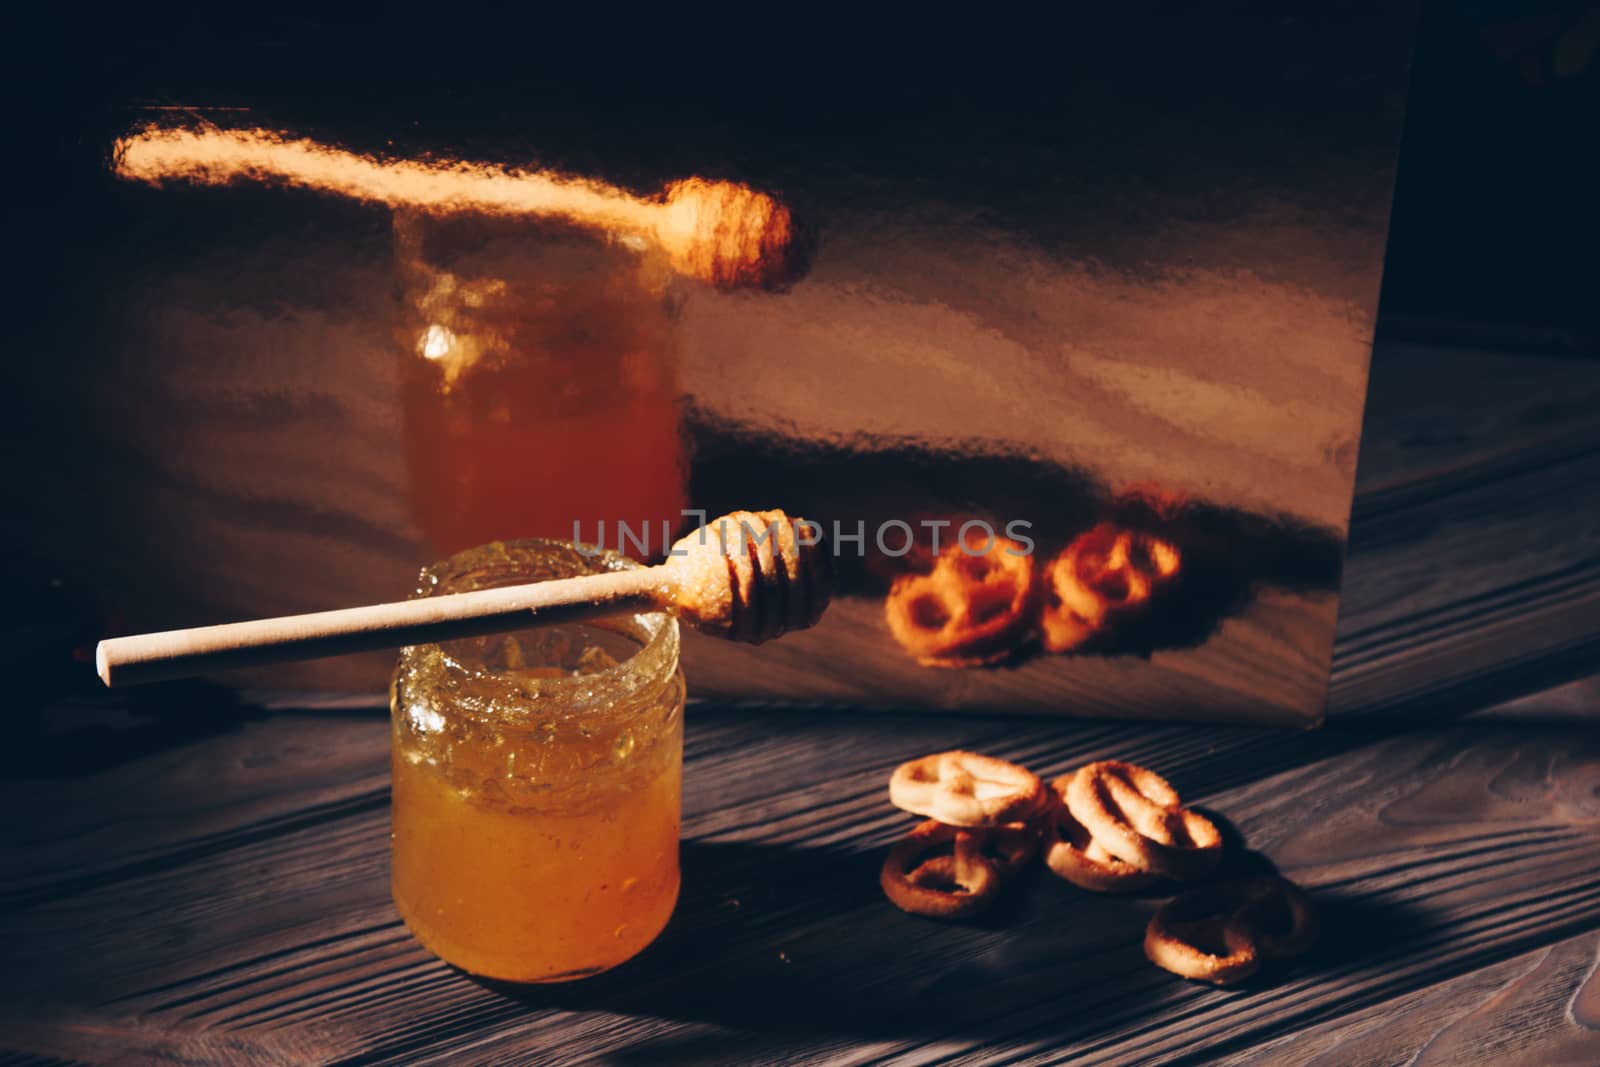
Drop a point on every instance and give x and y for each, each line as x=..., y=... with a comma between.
x=751, y=576
x=727, y=234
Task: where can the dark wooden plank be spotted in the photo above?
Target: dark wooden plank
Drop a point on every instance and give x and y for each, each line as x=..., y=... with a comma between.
x=220, y=894
x=257, y=777
x=1436, y=852
x=1433, y=410
x=1475, y=534
x=1539, y=1009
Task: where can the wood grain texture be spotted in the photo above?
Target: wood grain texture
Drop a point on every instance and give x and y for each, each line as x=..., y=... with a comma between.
x=196, y=875
x=1475, y=536
x=1451, y=862
x=1533, y=1008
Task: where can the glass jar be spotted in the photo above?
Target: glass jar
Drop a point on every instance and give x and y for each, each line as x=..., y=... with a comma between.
x=537, y=780
x=539, y=378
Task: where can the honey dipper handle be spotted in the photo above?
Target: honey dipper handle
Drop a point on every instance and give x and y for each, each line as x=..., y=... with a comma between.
x=175, y=653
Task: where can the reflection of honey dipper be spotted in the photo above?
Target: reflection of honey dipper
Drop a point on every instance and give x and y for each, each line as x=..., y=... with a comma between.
x=720, y=232
x=746, y=576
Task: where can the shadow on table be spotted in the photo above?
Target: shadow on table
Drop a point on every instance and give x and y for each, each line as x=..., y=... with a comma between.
x=798, y=945
x=1506, y=699
x=102, y=730
x=109, y=729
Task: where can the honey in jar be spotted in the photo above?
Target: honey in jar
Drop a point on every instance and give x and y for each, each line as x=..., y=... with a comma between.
x=538, y=381
x=537, y=781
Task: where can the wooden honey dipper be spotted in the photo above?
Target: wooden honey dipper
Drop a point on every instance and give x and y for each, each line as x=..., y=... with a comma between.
x=720, y=232
x=748, y=576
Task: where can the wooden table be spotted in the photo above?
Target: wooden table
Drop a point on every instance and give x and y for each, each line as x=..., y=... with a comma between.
x=195, y=876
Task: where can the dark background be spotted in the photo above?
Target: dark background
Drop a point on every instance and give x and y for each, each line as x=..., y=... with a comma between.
x=1493, y=235
x=874, y=109
x=1494, y=221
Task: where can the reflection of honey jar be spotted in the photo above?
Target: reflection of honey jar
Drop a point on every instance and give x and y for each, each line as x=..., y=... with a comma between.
x=537, y=780
x=539, y=380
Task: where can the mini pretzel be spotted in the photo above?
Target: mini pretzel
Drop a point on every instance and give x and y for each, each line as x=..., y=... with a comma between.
x=1184, y=944
x=1073, y=853
x=1008, y=847
x=970, y=610
x=1136, y=816
x=1280, y=916
x=1251, y=920
x=966, y=789
x=1103, y=578
x=940, y=887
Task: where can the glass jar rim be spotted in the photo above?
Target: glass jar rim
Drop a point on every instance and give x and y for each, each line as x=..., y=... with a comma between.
x=653, y=665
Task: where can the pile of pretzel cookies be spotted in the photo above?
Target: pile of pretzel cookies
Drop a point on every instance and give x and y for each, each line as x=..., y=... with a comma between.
x=1108, y=827
x=982, y=600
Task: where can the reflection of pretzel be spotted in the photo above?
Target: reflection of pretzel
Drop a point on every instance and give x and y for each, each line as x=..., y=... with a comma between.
x=1138, y=818
x=970, y=610
x=1100, y=580
x=1073, y=853
x=1221, y=933
x=941, y=887
x=966, y=789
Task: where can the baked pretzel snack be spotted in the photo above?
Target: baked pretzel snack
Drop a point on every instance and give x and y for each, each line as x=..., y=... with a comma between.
x=1207, y=948
x=1073, y=853
x=939, y=886
x=1221, y=933
x=1009, y=846
x=1102, y=580
x=972, y=609
x=1136, y=816
x=1280, y=916
x=1110, y=826
x=966, y=789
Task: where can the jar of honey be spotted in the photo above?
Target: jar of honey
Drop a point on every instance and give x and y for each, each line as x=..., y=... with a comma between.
x=539, y=379
x=537, y=780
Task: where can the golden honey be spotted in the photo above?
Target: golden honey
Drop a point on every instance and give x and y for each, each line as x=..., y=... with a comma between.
x=537, y=781
x=538, y=381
